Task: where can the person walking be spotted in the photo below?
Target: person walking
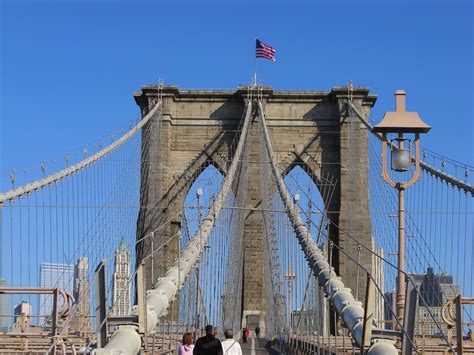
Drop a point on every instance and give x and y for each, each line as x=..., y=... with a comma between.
x=257, y=332
x=229, y=345
x=208, y=344
x=244, y=337
x=186, y=348
x=247, y=332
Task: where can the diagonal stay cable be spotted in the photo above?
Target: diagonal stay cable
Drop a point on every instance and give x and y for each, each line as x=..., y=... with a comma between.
x=126, y=339
x=340, y=296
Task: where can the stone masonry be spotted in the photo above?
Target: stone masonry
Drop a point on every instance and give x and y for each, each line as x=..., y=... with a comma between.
x=310, y=129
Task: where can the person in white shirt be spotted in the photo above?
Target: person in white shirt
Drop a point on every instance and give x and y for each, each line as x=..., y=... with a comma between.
x=229, y=345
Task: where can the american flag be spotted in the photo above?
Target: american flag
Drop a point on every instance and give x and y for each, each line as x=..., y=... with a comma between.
x=263, y=50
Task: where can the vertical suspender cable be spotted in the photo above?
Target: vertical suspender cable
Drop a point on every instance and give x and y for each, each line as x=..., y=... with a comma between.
x=126, y=339
x=350, y=310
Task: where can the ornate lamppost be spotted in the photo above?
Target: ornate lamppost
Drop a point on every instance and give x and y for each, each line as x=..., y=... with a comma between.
x=401, y=123
x=197, y=331
x=290, y=277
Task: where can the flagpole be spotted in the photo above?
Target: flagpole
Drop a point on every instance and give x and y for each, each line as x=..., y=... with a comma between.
x=255, y=65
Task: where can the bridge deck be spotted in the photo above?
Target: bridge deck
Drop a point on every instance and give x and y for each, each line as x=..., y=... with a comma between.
x=342, y=345
x=258, y=347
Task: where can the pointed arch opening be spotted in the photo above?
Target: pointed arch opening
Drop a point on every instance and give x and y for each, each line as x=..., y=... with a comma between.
x=202, y=294
x=303, y=307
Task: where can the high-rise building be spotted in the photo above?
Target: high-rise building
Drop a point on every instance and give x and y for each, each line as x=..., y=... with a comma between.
x=121, y=283
x=435, y=290
x=23, y=309
x=81, y=321
x=5, y=300
x=23, y=312
x=390, y=309
x=51, y=276
x=379, y=277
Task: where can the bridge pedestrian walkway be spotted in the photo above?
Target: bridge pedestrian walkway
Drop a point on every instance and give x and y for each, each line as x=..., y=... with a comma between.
x=258, y=347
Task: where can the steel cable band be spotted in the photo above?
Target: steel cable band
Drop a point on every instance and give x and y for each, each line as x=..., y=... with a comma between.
x=350, y=310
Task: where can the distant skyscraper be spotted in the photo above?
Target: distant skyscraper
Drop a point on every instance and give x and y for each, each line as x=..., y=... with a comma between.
x=51, y=276
x=379, y=277
x=23, y=309
x=4, y=309
x=121, y=283
x=80, y=321
x=390, y=309
x=436, y=290
x=23, y=312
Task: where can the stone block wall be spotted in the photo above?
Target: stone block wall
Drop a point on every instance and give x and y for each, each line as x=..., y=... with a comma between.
x=309, y=129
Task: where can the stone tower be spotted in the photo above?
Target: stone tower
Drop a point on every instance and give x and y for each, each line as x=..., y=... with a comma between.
x=311, y=129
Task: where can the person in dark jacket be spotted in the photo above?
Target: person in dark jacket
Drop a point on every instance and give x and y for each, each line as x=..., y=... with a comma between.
x=208, y=344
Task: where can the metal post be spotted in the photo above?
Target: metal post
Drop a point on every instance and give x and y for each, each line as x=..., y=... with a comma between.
x=199, y=194
x=141, y=296
x=423, y=341
x=54, y=328
x=308, y=214
x=179, y=283
x=395, y=122
x=290, y=325
x=410, y=316
x=358, y=270
x=289, y=276
x=152, y=258
x=458, y=303
x=198, y=304
x=162, y=336
x=101, y=304
x=169, y=328
x=368, y=314
x=401, y=256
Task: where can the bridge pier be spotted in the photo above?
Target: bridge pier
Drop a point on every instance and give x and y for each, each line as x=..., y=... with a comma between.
x=254, y=302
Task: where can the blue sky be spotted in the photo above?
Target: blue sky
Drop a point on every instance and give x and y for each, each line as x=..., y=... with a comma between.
x=68, y=68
